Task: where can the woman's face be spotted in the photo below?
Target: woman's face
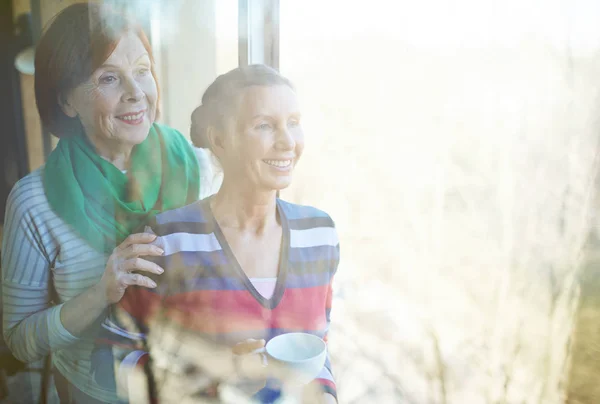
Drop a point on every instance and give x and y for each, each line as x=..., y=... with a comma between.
x=266, y=140
x=117, y=104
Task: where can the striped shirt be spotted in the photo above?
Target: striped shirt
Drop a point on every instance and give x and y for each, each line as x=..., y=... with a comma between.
x=42, y=256
x=204, y=281
x=44, y=259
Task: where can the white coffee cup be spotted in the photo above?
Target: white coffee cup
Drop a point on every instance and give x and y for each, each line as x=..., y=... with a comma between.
x=296, y=358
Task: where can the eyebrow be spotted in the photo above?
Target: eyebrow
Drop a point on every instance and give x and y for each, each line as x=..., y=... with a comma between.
x=293, y=114
x=116, y=67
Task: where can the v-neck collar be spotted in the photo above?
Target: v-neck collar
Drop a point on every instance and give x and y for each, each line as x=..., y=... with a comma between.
x=272, y=302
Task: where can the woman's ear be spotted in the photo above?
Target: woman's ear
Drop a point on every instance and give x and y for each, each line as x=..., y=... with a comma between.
x=215, y=140
x=66, y=104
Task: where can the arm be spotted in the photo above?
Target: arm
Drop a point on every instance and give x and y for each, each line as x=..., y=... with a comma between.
x=121, y=351
x=325, y=378
x=121, y=347
x=31, y=327
x=80, y=312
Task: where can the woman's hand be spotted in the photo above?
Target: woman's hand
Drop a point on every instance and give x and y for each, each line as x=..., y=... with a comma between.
x=249, y=362
x=125, y=259
x=248, y=346
x=249, y=356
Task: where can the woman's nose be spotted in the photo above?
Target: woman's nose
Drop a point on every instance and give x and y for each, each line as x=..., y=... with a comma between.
x=285, y=140
x=132, y=91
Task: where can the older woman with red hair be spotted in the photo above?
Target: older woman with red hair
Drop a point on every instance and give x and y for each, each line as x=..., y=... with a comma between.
x=71, y=232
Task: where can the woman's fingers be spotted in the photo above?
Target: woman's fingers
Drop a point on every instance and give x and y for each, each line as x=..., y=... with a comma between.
x=136, y=250
x=250, y=362
x=248, y=346
x=139, y=264
x=139, y=280
x=137, y=238
x=125, y=260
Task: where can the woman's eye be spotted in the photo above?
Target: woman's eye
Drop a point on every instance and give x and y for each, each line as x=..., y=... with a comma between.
x=108, y=79
x=293, y=123
x=143, y=71
x=263, y=126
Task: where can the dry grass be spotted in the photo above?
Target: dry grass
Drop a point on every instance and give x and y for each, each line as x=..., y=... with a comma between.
x=460, y=183
x=583, y=384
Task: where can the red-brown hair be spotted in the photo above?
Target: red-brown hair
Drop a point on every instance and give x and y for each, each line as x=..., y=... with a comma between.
x=79, y=39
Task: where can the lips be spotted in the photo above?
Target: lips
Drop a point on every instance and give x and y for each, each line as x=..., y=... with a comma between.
x=279, y=163
x=133, y=118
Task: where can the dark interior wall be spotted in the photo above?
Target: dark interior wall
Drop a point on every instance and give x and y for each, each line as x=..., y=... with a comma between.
x=13, y=155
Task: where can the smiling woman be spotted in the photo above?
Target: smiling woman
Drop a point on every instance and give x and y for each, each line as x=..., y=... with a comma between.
x=117, y=103
x=241, y=266
x=86, y=60
x=73, y=227
x=256, y=156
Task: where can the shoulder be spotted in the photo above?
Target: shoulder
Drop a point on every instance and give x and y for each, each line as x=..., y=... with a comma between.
x=30, y=183
x=192, y=218
x=309, y=227
x=309, y=216
x=28, y=193
x=27, y=218
x=313, y=239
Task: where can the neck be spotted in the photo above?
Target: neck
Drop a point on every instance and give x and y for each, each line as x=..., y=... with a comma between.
x=114, y=152
x=240, y=208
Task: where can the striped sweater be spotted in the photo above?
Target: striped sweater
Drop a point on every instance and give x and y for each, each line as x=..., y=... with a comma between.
x=204, y=282
x=41, y=254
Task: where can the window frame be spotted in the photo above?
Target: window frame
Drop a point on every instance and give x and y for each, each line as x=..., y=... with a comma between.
x=258, y=32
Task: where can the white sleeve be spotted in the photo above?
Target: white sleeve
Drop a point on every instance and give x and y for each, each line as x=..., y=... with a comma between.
x=211, y=175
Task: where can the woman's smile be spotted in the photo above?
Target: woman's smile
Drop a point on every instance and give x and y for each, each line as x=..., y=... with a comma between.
x=133, y=118
x=280, y=165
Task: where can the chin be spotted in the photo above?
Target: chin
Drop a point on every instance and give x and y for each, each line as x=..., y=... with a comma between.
x=136, y=135
x=280, y=185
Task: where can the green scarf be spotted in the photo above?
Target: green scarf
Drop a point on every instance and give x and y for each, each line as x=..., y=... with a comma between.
x=103, y=204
